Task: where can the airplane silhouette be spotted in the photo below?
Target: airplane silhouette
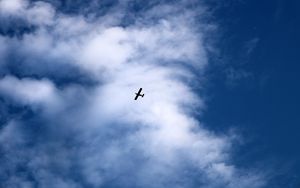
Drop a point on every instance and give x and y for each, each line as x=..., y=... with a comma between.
x=139, y=94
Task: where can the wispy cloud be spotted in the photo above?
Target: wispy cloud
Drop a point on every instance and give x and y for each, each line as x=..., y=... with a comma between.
x=251, y=45
x=96, y=135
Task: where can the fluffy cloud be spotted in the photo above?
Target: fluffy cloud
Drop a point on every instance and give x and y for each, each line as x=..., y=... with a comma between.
x=27, y=90
x=93, y=134
x=12, y=7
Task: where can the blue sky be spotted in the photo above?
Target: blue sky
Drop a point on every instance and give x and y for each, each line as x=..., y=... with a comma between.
x=262, y=98
x=220, y=82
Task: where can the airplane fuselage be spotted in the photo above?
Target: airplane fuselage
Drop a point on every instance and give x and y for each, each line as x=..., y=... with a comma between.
x=139, y=94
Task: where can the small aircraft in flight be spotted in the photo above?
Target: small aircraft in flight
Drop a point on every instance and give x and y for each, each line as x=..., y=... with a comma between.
x=139, y=94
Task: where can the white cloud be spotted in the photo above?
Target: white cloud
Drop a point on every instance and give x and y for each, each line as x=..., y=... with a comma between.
x=37, y=13
x=29, y=91
x=109, y=127
x=40, y=13
x=12, y=6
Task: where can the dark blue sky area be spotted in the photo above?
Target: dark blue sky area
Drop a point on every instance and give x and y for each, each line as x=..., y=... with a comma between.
x=254, y=84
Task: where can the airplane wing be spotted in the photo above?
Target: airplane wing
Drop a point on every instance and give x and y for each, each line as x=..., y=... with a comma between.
x=140, y=91
x=136, y=96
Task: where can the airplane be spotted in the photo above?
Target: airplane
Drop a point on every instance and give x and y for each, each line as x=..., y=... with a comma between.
x=139, y=94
